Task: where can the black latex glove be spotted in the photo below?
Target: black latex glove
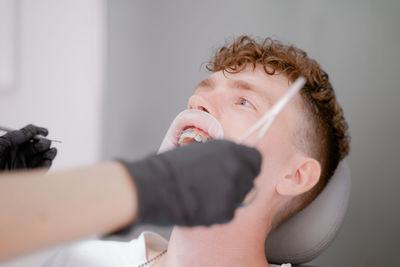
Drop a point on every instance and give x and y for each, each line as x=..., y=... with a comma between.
x=18, y=149
x=199, y=184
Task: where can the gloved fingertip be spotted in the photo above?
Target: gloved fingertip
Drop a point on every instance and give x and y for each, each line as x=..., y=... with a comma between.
x=252, y=156
x=49, y=154
x=29, y=131
x=33, y=130
x=52, y=153
x=41, y=145
x=256, y=157
x=43, y=131
x=45, y=163
x=228, y=216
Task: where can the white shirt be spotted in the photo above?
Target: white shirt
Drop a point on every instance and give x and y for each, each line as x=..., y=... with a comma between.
x=99, y=253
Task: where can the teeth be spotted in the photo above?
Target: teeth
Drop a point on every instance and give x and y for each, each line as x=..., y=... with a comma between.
x=198, y=138
x=187, y=134
x=193, y=135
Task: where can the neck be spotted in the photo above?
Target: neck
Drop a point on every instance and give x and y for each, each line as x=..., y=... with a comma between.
x=238, y=243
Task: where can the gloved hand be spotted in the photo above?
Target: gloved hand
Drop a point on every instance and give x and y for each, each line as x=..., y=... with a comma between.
x=199, y=184
x=19, y=151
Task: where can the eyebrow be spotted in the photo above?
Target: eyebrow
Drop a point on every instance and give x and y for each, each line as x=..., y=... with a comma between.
x=208, y=83
x=239, y=84
x=243, y=85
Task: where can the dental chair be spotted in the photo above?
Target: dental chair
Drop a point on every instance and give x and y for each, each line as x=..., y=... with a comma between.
x=307, y=234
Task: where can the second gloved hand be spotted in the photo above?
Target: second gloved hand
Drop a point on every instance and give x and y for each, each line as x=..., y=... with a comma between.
x=18, y=149
x=199, y=184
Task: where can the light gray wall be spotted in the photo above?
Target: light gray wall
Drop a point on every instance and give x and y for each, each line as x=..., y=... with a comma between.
x=155, y=51
x=60, y=55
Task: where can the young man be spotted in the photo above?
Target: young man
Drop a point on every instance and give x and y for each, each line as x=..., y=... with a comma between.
x=300, y=152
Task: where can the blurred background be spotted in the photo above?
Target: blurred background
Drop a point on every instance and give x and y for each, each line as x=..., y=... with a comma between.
x=108, y=77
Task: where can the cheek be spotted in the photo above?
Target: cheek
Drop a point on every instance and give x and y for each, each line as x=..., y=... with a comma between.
x=276, y=157
x=276, y=150
x=272, y=169
x=233, y=130
x=235, y=124
x=276, y=143
x=265, y=184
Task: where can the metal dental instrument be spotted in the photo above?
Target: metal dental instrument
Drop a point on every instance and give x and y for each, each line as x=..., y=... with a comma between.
x=268, y=118
x=37, y=137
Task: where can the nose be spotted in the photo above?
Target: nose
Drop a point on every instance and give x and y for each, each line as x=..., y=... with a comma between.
x=200, y=103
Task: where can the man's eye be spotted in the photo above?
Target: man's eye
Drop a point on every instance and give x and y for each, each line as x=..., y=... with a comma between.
x=244, y=102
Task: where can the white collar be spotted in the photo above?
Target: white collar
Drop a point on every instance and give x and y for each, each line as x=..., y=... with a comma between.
x=150, y=240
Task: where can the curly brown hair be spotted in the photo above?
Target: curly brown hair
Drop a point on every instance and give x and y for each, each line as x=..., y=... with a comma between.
x=326, y=137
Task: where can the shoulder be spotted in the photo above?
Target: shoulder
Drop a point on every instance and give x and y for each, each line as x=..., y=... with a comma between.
x=97, y=253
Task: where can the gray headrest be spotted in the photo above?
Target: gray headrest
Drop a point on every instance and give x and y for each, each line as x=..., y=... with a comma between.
x=304, y=236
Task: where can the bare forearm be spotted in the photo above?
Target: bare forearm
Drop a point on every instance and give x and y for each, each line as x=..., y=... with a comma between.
x=39, y=210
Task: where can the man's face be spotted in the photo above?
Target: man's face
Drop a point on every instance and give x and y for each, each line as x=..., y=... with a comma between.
x=238, y=101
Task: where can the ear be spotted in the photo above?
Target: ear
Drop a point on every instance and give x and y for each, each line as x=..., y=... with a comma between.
x=303, y=177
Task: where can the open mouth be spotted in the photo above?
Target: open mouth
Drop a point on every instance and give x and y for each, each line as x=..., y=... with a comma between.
x=191, y=126
x=192, y=134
